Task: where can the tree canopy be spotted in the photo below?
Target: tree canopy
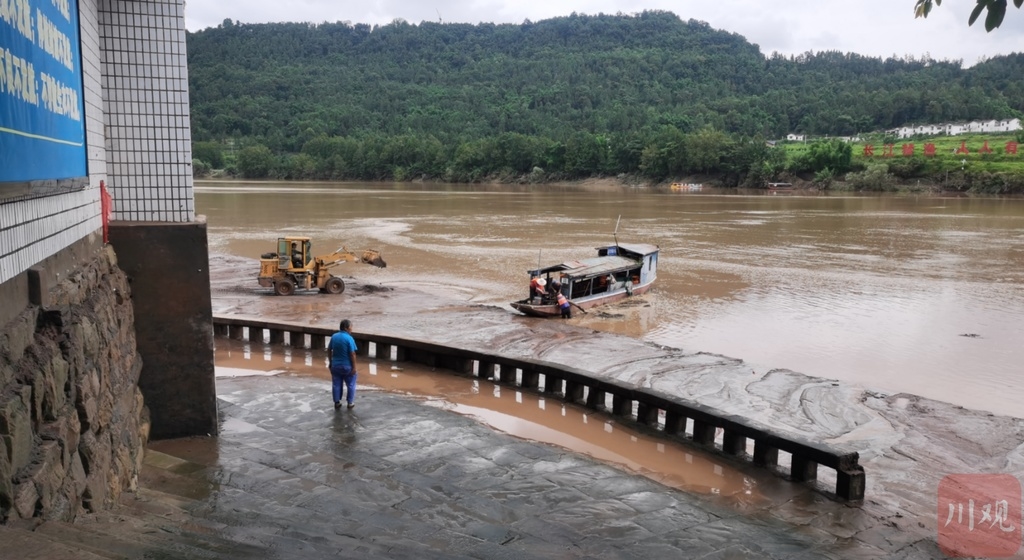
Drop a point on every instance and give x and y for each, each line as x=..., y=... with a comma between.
x=995, y=11
x=570, y=96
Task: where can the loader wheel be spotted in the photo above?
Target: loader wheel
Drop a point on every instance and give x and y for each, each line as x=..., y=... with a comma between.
x=284, y=287
x=334, y=285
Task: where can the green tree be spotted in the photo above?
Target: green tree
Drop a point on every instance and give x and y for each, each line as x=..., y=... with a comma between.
x=705, y=150
x=211, y=153
x=834, y=155
x=255, y=162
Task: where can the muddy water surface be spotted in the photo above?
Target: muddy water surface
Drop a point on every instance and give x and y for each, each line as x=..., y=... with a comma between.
x=916, y=294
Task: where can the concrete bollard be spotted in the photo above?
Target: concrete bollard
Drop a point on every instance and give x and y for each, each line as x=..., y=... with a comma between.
x=401, y=353
x=765, y=455
x=733, y=443
x=574, y=392
x=531, y=379
x=552, y=384
x=703, y=432
x=485, y=370
x=675, y=423
x=803, y=469
x=595, y=399
x=850, y=484
x=647, y=414
x=507, y=375
x=621, y=406
x=256, y=334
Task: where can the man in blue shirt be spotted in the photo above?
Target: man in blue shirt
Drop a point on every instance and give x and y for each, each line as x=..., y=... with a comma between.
x=341, y=355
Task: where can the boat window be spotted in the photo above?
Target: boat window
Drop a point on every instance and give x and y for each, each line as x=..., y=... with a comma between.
x=581, y=288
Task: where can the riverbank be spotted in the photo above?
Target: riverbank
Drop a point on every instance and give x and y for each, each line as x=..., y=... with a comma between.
x=907, y=443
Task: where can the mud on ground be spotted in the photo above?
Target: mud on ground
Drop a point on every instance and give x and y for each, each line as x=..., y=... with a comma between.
x=906, y=443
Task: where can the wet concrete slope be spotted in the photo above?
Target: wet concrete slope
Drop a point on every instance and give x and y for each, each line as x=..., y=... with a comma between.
x=396, y=479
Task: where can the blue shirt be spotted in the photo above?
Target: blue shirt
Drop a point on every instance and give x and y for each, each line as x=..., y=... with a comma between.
x=342, y=345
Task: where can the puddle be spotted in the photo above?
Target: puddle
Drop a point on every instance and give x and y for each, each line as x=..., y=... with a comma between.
x=519, y=413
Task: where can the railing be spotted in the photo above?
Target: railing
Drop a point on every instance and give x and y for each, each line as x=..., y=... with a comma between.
x=671, y=417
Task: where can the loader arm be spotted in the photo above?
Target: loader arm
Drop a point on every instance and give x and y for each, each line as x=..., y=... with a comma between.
x=343, y=255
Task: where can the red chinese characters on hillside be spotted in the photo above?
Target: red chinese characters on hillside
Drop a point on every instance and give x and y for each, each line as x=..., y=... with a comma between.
x=908, y=150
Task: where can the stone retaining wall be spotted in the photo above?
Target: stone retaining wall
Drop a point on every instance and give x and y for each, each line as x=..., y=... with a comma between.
x=73, y=425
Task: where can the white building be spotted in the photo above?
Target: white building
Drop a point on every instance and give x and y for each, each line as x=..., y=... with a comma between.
x=795, y=137
x=955, y=129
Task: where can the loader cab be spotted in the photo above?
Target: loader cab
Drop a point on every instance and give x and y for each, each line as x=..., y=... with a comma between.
x=294, y=252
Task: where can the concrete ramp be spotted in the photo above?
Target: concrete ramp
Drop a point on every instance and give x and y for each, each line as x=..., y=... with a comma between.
x=290, y=477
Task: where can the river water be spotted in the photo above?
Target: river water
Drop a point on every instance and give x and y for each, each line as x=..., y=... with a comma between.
x=915, y=294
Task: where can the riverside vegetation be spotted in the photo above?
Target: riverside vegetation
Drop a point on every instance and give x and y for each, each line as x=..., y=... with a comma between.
x=647, y=96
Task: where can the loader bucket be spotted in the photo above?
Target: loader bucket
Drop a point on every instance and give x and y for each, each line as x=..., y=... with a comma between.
x=373, y=257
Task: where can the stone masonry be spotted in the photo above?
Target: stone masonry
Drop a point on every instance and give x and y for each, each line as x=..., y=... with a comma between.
x=73, y=425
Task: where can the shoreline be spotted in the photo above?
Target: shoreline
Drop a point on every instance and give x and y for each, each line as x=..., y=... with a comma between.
x=907, y=443
x=805, y=188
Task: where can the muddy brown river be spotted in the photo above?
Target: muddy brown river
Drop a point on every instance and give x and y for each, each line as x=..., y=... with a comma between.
x=916, y=294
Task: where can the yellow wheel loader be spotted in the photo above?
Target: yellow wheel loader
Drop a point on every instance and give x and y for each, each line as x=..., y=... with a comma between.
x=294, y=267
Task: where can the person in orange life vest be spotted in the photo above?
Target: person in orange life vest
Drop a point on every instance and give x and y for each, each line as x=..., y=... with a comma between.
x=537, y=287
x=564, y=305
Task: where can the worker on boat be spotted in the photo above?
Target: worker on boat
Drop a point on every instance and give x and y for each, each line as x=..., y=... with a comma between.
x=537, y=289
x=563, y=304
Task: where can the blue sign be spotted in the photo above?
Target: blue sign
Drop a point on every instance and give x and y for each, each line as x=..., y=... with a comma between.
x=42, y=117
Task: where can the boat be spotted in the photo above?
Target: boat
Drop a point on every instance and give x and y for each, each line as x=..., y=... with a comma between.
x=616, y=273
x=780, y=187
x=687, y=187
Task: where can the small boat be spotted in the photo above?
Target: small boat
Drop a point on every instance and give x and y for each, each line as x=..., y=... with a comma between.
x=780, y=187
x=617, y=272
x=687, y=187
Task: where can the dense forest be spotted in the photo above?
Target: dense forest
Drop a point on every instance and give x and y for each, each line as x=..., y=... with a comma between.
x=575, y=96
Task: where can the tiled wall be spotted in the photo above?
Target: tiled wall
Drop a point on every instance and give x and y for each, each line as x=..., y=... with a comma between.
x=145, y=81
x=34, y=229
x=137, y=128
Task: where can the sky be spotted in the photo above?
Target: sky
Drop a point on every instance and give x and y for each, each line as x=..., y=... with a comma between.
x=879, y=28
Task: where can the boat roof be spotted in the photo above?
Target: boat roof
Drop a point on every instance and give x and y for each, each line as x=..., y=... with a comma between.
x=643, y=249
x=595, y=266
x=592, y=266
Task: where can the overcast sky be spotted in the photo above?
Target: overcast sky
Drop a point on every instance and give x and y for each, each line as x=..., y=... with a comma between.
x=871, y=27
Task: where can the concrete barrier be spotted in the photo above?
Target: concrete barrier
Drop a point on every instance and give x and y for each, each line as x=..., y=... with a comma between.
x=580, y=387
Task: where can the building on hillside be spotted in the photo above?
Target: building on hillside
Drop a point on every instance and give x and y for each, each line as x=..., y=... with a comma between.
x=955, y=129
x=795, y=137
x=100, y=105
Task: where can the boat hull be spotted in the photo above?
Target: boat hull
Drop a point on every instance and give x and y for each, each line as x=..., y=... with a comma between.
x=547, y=310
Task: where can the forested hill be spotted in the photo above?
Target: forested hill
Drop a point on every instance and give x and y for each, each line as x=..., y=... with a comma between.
x=283, y=84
